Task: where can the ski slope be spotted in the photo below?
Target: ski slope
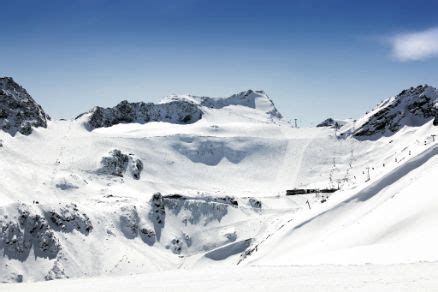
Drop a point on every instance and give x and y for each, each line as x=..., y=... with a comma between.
x=222, y=202
x=391, y=220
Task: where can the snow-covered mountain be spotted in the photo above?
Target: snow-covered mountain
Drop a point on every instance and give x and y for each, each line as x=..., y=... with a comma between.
x=18, y=111
x=177, y=109
x=258, y=100
x=412, y=107
x=195, y=182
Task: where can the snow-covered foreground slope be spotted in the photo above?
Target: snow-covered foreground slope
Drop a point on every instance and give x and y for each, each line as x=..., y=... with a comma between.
x=404, y=277
x=391, y=220
x=142, y=191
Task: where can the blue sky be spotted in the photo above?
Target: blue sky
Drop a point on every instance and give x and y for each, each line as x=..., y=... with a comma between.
x=314, y=58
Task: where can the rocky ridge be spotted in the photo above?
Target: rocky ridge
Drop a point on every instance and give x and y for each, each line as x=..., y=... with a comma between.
x=177, y=112
x=411, y=107
x=18, y=110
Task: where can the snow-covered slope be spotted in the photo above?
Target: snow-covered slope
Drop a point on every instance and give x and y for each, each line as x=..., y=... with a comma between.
x=177, y=109
x=406, y=277
x=390, y=220
x=258, y=100
x=140, y=191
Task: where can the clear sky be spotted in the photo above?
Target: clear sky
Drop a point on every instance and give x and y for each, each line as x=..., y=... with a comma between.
x=314, y=58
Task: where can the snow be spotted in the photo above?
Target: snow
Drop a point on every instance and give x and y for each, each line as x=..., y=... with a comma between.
x=387, y=222
x=253, y=99
x=408, y=277
x=210, y=203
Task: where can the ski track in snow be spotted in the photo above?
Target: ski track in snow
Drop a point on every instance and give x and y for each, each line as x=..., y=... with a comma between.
x=292, y=161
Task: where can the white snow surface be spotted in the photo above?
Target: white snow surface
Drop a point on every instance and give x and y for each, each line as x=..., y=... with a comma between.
x=407, y=277
x=384, y=214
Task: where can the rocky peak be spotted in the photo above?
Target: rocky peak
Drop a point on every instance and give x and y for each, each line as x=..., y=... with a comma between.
x=177, y=112
x=411, y=107
x=18, y=110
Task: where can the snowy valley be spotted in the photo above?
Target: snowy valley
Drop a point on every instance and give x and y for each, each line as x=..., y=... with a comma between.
x=196, y=184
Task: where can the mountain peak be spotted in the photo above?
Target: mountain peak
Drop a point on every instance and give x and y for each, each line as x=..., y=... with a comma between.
x=414, y=106
x=18, y=110
x=256, y=99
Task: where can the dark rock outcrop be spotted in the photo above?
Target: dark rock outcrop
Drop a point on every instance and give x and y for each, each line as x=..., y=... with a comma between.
x=331, y=123
x=157, y=214
x=130, y=225
x=69, y=218
x=411, y=107
x=199, y=209
x=18, y=110
x=118, y=163
x=254, y=203
x=177, y=112
x=148, y=236
x=25, y=232
x=176, y=245
x=129, y=221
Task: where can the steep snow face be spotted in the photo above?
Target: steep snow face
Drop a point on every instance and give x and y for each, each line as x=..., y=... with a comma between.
x=253, y=99
x=178, y=112
x=412, y=107
x=18, y=111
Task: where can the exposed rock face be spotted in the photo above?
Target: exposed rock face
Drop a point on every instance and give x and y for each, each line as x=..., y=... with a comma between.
x=69, y=218
x=176, y=245
x=196, y=210
x=131, y=228
x=254, y=203
x=18, y=110
x=65, y=185
x=118, y=163
x=158, y=214
x=412, y=107
x=177, y=112
x=331, y=123
x=148, y=236
x=129, y=221
x=25, y=232
x=199, y=209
